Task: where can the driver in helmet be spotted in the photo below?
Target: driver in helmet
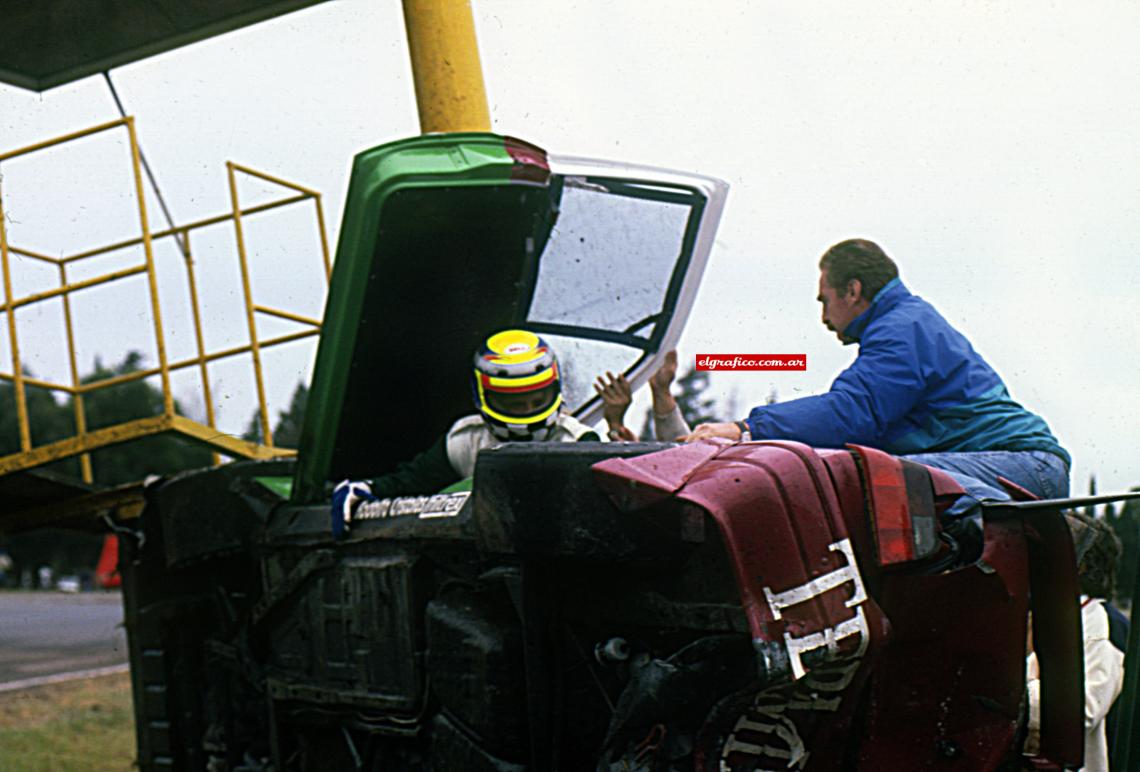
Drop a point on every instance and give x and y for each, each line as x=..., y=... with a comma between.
x=517, y=390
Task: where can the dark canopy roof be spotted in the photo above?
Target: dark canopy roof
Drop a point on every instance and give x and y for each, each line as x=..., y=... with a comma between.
x=47, y=43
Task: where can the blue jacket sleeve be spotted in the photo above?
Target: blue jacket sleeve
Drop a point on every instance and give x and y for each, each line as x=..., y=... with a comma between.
x=878, y=390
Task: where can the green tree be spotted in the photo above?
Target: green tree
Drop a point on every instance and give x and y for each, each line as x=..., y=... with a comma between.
x=48, y=421
x=695, y=407
x=287, y=431
x=135, y=460
x=1127, y=527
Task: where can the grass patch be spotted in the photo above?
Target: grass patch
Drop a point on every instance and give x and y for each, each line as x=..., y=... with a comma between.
x=77, y=725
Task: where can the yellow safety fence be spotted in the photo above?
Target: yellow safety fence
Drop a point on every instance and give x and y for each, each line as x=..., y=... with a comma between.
x=85, y=441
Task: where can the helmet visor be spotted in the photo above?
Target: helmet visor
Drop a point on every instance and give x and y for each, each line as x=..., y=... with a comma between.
x=522, y=404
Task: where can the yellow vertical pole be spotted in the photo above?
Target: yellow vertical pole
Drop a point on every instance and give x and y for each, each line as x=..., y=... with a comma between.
x=448, y=77
x=76, y=397
x=192, y=283
x=152, y=278
x=17, y=371
x=324, y=237
x=254, y=346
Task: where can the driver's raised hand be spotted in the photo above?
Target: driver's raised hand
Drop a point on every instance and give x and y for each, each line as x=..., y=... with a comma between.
x=616, y=397
x=662, y=379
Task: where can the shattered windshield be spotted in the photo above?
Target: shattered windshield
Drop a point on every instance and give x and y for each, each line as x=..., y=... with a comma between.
x=609, y=275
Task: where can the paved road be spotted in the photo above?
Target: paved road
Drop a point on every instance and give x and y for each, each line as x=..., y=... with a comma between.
x=47, y=633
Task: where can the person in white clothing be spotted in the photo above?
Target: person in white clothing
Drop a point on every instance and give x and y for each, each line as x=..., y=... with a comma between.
x=1097, y=549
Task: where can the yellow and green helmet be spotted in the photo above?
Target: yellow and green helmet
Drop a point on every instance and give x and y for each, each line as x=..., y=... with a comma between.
x=516, y=385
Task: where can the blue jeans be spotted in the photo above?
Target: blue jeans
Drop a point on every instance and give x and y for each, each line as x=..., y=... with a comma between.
x=1038, y=471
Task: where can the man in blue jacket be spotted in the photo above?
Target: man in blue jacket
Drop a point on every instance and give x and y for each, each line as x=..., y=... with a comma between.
x=917, y=389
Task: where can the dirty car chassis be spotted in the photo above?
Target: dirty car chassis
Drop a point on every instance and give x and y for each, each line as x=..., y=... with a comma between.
x=588, y=606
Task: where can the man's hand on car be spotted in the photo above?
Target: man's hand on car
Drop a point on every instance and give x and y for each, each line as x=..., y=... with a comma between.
x=728, y=431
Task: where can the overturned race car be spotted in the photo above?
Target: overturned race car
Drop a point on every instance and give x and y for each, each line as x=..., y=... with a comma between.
x=609, y=606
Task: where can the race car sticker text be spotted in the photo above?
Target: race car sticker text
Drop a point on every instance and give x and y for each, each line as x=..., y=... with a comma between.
x=423, y=507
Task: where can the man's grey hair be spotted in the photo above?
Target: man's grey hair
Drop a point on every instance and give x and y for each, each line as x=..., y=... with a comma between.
x=858, y=259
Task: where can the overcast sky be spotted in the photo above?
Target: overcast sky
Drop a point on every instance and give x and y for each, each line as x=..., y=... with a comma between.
x=991, y=148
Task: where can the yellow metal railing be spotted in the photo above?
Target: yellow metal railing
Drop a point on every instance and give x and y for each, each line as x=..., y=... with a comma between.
x=84, y=440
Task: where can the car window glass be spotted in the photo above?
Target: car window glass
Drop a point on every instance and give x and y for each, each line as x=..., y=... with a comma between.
x=609, y=259
x=581, y=360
